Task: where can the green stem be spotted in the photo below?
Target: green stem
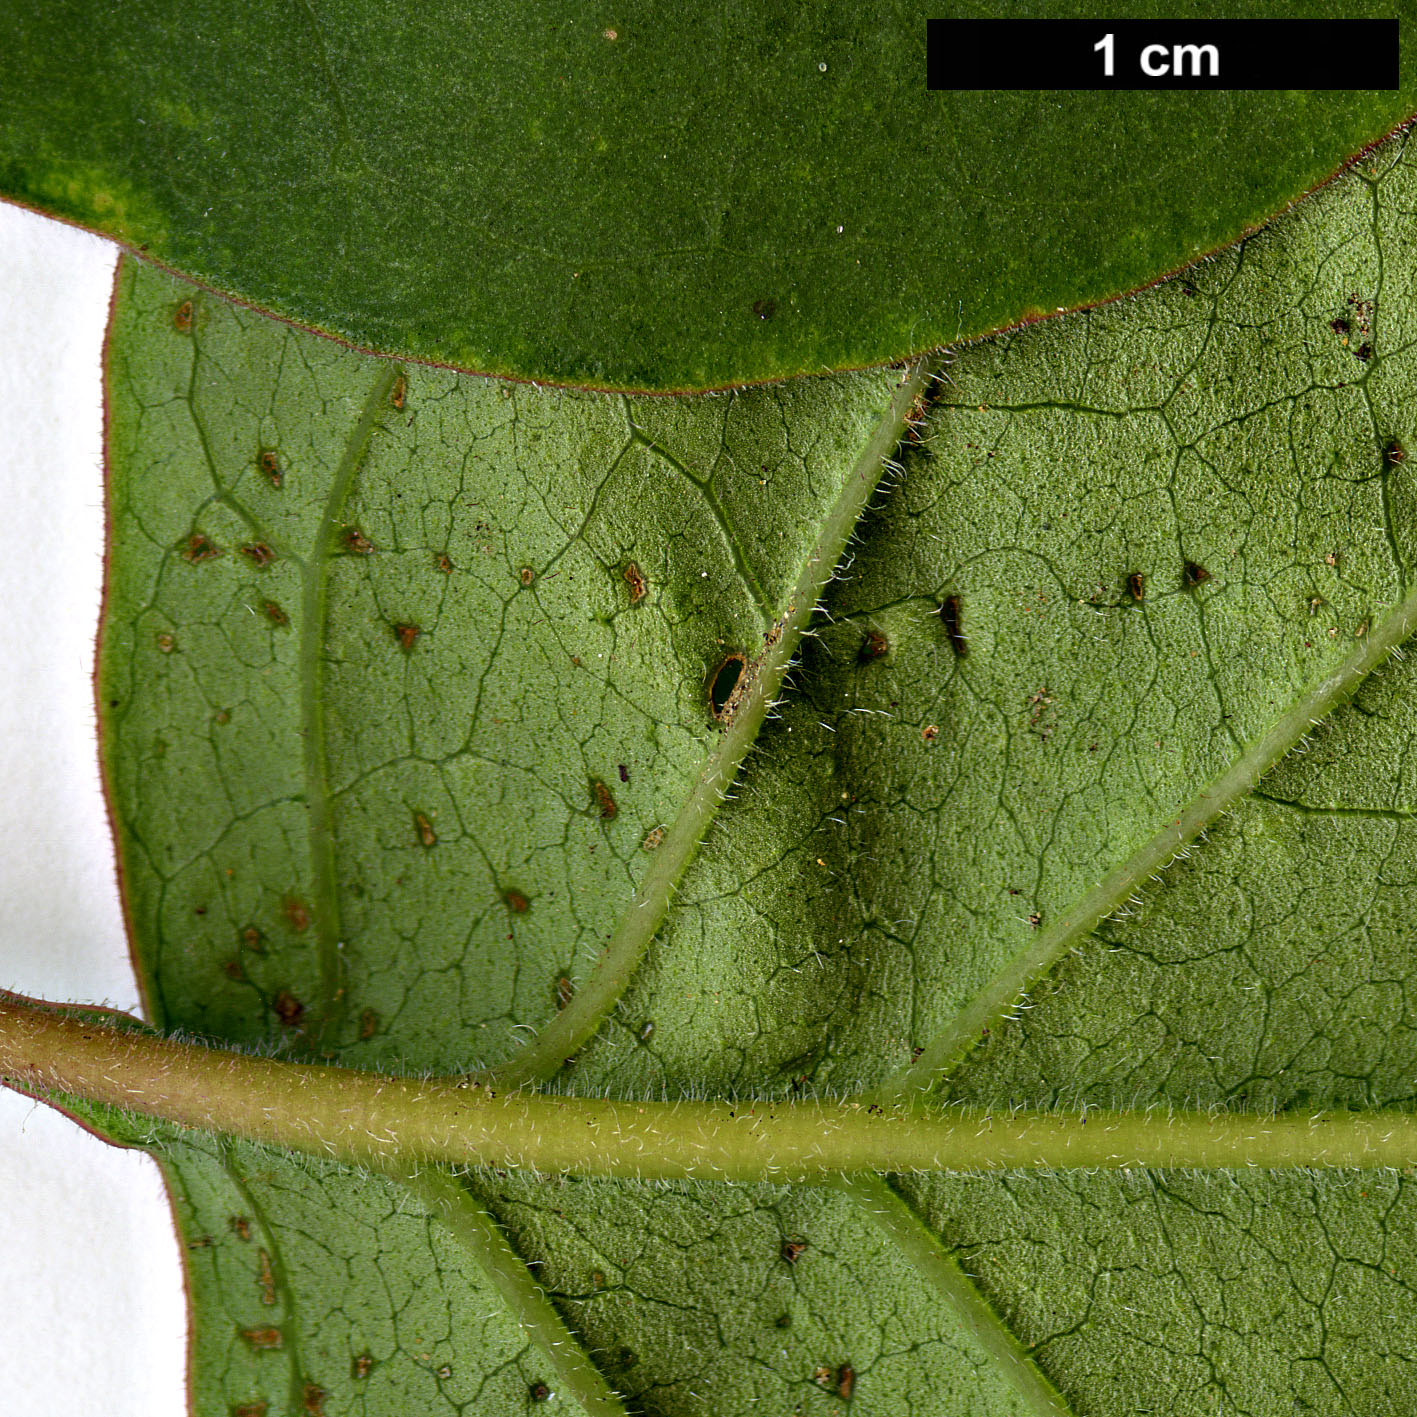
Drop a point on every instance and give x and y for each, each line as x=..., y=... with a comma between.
x=572, y=1028
x=458, y=1212
x=373, y=1120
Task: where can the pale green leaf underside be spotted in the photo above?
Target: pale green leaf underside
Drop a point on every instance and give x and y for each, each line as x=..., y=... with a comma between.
x=891, y=839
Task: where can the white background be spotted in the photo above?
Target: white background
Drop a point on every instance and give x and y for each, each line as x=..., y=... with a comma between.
x=95, y=1317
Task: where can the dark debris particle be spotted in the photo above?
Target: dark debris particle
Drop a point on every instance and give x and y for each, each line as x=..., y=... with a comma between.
x=275, y=614
x=288, y=1009
x=1194, y=574
x=258, y=554
x=791, y=1250
x=724, y=681
x=1340, y=326
x=1364, y=352
x=426, y=835
x=200, y=547
x=930, y=733
x=634, y=578
x=268, y=460
x=539, y=1392
x=784, y=1321
x=1136, y=586
x=765, y=308
x=1394, y=454
x=874, y=646
x=951, y=616
x=604, y=801
x=356, y=542
x=407, y=635
x=182, y=317
x=517, y=903
x=623, y=771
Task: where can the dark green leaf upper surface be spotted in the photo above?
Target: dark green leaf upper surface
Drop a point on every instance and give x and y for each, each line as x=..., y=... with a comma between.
x=654, y=197
x=1121, y=550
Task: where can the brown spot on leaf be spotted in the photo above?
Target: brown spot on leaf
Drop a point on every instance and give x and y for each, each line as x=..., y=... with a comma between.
x=822, y=1375
x=263, y=1337
x=407, y=635
x=361, y=1366
x=258, y=554
x=564, y=990
x=221, y=717
x=266, y=1280
x=167, y=643
x=1364, y=352
x=399, y=392
x=443, y=562
x=765, y=308
x=517, y=903
x=845, y=1381
x=426, y=835
x=874, y=646
x=653, y=838
x=275, y=614
x=297, y=912
x=356, y=543
x=604, y=802
x=288, y=1009
x=368, y=1025
x=539, y=1392
x=313, y=1399
x=1194, y=574
x=526, y=575
x=634, y=578
x=200, y=547
x=182, y=317
x=269, y=463
x=930, y=733
x=232, y=969
x=249, y=1409
x=1394, y=454
x=1136, y=586
x=723, y=685
x=240, y=1226
x=251, y=937
x=792, y=1250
